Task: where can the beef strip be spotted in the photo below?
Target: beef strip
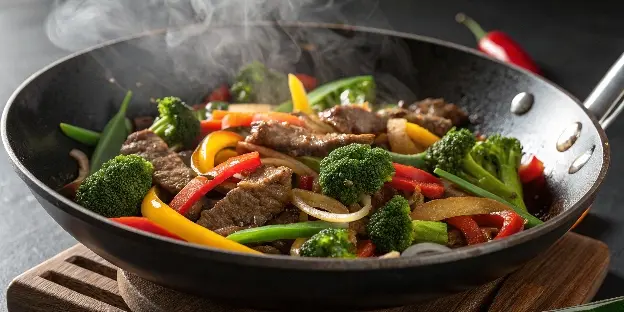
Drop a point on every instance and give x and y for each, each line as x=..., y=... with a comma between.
x=296, y=141
x=437, y=125
x=186, y=157
x=438, y=107
x=288, y=216
x=170, y=172
x=353, y=119
x=455, y=239
x=256, y=200
x=266, y=249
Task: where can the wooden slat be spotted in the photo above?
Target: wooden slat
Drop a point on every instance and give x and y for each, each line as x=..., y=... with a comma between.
x=77, y=280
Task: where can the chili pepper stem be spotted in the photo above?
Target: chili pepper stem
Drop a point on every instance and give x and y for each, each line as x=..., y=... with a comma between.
x=472, y=25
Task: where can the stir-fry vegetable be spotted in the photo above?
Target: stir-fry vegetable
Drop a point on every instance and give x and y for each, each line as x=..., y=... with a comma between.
x=330, y=216
x=69, y=190
x=430, y=231
x=298, y=95
x=158, y=212
x=400, y=142
x=112, y=137
x=82, y=135
x=144, y=224
x=531, y=170
x=219, y=95
x=508, y=222
x=255, y=83
x=177, y=124
x=353, y=90
x=269, y=233
x=365, y=248
x=531, y=221
x=440, y=209
x=203, y=158
x=353, y=170
x=278, y=116
x=390, y=228
x=420, y=135
x=267, y=152
x=313, y=163
x=200, y=185
x=117, y=188
x=329, y=243
x=469, y=228
x=409, y=179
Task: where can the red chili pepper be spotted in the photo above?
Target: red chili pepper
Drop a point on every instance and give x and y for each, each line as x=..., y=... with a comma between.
x=499, y=45
x=200, y=185
x=429, y=190
x=309, y=82
x=365, y=248
x=221, y=94
x=146, y=225
x=469, y=228
x=306, y=182
x=532, y=170
x=507, y=221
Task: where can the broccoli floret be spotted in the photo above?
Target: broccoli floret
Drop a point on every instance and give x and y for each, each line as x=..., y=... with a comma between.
x=255, y=83
x=117, y=188
x=177, y=124
x=390, y=228
x=329, y=243
x=354, y=170
x=501, y=157
x=456, y=151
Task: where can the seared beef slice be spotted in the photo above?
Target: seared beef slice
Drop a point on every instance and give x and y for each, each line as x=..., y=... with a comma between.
x=170, y=172
x=353, y=119
x=296, y=141
x=255, y=200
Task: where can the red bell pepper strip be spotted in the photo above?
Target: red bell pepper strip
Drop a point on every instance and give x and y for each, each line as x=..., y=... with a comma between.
x=365, y=248
x=469, y=228
x=144, y=224
x=221, y=94
x=499, y=45
x=531, y=170
x=507, y=221
x=208, y=126
x=280, y=117
x=415, y=174
x=306, y=182
x=200, y=185
x=429, y=190
x=309, y=82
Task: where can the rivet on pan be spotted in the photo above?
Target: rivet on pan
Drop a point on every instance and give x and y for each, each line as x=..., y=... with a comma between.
x=521, y=103
x=580, y=161
x=568, y=136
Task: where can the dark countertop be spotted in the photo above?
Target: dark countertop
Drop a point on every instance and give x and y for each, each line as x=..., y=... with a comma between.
x=574, y=43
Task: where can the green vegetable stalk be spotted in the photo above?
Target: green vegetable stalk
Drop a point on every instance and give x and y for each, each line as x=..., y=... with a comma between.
x=113, y=136
x=82, y=135
x=531, y=221
x=430, y=231
x=269, y=233
x=353, y=90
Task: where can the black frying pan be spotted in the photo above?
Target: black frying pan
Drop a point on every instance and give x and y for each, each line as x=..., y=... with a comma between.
x=85, y=88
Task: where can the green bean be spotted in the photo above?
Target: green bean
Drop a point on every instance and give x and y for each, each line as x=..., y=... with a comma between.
x=471, y=188
x=82, y=135
x=113, y=136
x=269, y=233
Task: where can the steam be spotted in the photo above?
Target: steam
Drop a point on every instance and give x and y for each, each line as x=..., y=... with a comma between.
x=202, y=46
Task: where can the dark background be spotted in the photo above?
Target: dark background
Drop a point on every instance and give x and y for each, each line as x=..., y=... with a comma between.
x=574, y=43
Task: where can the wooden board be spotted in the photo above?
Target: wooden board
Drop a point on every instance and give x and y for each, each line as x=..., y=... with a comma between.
x=78, y=280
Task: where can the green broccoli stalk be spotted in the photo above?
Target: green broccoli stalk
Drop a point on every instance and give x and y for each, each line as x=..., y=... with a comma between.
x=454, y=153
x=390, y=228
x=177, y=124
x=117, y=188
x=255, y=83
x=329, y=243
x=354, y=170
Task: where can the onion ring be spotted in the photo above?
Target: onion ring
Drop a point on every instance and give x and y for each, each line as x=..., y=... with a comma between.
x=320, y=201
x=267, y=152
x=334, y=217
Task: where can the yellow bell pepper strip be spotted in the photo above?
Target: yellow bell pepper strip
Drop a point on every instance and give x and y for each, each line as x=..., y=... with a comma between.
x=158, y=212
x=203, y=158
x=224, y=154
x=420, y=135
x=299, y=96
x=200, y=185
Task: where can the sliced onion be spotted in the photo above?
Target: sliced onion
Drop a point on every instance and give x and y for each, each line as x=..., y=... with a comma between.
x=392, y=254
x=334, y=217
x=441, y=209
x=317, y=125
x=424, y=248
x=81, y=158
x=296, y=246
x=320, y=201
x=267, y=152
x=283, y=162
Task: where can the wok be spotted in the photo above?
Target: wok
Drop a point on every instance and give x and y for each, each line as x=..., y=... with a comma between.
x=86, y=89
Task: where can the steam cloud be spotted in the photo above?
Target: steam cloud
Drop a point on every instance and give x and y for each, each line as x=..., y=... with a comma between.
x=202, y=48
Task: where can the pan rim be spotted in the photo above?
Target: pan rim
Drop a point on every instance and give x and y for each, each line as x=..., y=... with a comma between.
x=298, y=263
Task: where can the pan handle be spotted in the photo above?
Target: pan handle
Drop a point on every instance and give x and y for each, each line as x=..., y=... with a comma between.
x=606, y=101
